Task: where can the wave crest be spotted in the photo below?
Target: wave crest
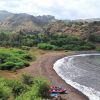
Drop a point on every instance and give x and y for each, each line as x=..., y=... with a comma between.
x=69, y=72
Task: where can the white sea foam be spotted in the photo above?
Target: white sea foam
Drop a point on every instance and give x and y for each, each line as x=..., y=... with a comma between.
x=60, y=68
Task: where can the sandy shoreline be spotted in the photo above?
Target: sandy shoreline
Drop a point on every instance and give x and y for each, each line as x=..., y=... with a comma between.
x=44, y=67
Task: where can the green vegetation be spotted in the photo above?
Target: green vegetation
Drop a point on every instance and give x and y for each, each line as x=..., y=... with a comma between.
x=18, y=90
x=27, y=79
x=5, y=91
x=94, y=38
x=12, y=59
x=47, y=41
x=71, y=43
x=46, y=46
x=98, y=49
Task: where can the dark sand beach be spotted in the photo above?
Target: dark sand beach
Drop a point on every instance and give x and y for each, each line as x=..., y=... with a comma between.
x=44, y=67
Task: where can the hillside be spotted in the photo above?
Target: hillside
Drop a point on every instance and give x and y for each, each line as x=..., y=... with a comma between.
x=23, y=22
x=48, y=24
x=4, y=15
x=82, y=28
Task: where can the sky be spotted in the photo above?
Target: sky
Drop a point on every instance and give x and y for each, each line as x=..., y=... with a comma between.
x=61, y=9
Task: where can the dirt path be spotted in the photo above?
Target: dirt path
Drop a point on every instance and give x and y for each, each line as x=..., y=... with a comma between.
x=44, y=67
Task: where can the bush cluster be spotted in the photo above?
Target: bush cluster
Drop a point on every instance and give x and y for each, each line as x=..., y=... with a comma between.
x=64, y=42
x=23, y=90
x=12, y=59
x=46, y=46
x=47, y=41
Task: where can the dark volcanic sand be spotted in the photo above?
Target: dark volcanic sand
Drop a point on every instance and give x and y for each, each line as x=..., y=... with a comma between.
x=44, y=67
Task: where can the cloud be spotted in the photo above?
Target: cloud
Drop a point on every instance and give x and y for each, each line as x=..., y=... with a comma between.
x=62, y=9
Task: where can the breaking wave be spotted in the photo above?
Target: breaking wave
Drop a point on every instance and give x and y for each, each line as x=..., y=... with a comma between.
x=82, y=72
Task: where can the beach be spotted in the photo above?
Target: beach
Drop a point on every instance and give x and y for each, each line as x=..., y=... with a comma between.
x=44, y=67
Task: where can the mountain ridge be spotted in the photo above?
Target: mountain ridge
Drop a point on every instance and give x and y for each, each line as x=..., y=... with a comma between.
x=49, y=24
x=22, y=21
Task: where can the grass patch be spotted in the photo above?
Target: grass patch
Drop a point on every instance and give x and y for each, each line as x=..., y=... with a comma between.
x=12, y=59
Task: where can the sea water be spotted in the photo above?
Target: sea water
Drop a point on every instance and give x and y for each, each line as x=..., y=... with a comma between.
x=82, y=72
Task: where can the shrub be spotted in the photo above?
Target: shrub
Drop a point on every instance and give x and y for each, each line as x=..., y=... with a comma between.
x=90, y=45
x=44, y=90
x=26, y=57
x=27, y=79
x=17, y=87
x=3, y=56
x=94, y=38
x=39, y=89
x=98, y=49
x=28, y=88
x=25, y=48
x=42, y=87
x=46, y=46
x=68, y=47
x=14, y=59
x=5, y=92
x=7, y=66
x=86, y=46
x=20, y=65
x=57, y=48
x=28, y=96
x=26, y=64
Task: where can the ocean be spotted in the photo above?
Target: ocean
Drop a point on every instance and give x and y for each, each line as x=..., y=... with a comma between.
x=82, y=72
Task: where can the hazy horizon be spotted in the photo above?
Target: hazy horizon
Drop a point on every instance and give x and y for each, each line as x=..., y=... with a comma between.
x=65, y=9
